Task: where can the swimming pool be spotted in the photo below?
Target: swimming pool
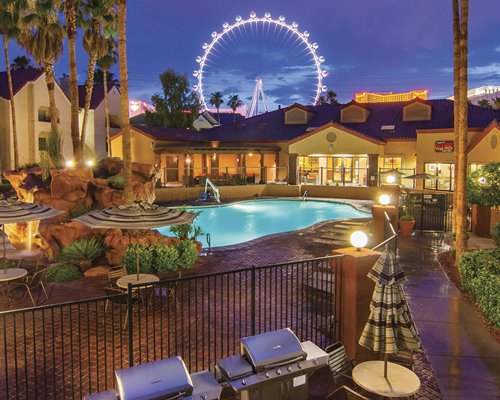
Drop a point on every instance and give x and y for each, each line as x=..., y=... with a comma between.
x=247, y=220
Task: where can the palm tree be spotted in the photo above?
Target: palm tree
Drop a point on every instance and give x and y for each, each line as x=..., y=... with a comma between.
x=234, y=102
x=42, y=35
x=460, y=37
x=99, y=23
x=125, y=121
x=99, y=72
x=70, y=12
x=496, y=102
x=331, y=98
x=216, y=100
x=105, y=62
x=20, y=62
x=9, y=29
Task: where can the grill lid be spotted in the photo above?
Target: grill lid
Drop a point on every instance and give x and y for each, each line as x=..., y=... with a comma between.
x=235, y=367
x=272, y=348
x=157, y=379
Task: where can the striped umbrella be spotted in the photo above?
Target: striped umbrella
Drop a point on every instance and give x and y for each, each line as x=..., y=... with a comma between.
x=390, y=327
x=135, y=216
x=13, y=211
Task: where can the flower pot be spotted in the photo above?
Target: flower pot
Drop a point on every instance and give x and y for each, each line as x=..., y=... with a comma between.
x=406, y=227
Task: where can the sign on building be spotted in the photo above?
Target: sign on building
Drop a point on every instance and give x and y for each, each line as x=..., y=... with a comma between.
x=444, y=146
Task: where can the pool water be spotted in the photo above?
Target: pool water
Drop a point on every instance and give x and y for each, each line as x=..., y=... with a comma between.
x=240, y=222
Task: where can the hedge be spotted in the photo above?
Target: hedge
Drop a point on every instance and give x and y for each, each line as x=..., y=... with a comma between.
x=480, y=274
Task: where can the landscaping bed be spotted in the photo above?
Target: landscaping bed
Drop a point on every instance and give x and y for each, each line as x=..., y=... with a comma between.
x=447, y=261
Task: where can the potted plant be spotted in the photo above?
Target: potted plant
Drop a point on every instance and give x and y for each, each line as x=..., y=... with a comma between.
x=406, y=216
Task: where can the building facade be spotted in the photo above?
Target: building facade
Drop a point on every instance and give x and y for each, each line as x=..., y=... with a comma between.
x=353, y=144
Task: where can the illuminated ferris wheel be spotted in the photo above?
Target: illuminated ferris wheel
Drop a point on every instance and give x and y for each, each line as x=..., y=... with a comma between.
x=275, y=53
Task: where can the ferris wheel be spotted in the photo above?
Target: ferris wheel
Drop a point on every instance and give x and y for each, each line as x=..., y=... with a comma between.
x=269, y=51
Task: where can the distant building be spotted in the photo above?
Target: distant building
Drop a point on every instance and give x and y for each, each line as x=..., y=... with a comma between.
x=490, y=93
x=32, y=116
x=390, y=97
x=210, y=119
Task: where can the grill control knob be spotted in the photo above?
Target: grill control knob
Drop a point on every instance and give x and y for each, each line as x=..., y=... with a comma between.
x=266, y=375
x=243, y=382
x=289, y=368
x=278, y=372
x=315, y=362
x=299, y=366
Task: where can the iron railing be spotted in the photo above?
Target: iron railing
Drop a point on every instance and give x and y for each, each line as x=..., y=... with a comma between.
x=65, y=351
x=390, y=236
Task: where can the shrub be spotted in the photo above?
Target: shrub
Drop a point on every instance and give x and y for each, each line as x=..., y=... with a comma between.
x=117, y=182
x=129, y=260
x=166, y=257
x=496, y=234
x=83, y=252
x=62, y=273
x=483, y=185
x=8, y=263
x=480, y=274
x=188, y=253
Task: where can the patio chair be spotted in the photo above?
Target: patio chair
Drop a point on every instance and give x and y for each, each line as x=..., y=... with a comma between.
x=402, y=357
x=32, y=282
x=340, y=365
x=115, y=273
x=345, y=393
x=121, y=300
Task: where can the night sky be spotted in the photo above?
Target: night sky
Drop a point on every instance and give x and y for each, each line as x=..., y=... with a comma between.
x=383, y=45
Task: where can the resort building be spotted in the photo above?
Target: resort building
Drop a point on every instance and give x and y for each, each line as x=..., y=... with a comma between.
x=350, y=144
x=490, y=93
x=389, y=97
x=31, y=98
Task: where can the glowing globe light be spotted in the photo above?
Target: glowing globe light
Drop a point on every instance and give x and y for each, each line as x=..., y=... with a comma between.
x=90, y=163
x=384, y=199
x=69, y=163
x=358, y=239
x=482, y=180
x=390, y=179
x=188, y=160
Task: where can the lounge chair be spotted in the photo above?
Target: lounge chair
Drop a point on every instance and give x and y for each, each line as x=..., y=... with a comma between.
x=32, y=282
x=115, y=273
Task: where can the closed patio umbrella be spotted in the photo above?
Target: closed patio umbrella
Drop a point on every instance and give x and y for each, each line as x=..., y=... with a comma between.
x=136, y=216
x=390, y=327
x=420, y=176
x=13, y=211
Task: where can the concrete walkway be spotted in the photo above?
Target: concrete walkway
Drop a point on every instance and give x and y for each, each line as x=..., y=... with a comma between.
x=463, y=354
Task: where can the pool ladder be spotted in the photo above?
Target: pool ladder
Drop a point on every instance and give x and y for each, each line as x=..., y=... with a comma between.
x=304, y=196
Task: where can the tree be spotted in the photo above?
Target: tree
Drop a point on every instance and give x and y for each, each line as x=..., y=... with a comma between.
x=9, y=29
x=216, y=100
x=496, y=102
x=99, y=72
x=331, y=98
x=70, y=13
x=484, y=103
x=460, y=53
x=125, y=121
x=42, y=35
x=99, y=23
x=105, y=63
x=177, y=106
x=20, y=62
x=483, y=185
x=234, y=102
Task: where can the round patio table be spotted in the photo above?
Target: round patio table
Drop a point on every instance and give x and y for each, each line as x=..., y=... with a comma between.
x=7, y=275
x=132, y=278
x=400, y=381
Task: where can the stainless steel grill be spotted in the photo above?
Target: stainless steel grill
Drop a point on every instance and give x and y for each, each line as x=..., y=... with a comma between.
x=166, y=379
x=273, y=365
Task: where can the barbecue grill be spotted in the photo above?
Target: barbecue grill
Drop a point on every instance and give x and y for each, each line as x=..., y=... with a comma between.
x=272, y=365
x=166, y=379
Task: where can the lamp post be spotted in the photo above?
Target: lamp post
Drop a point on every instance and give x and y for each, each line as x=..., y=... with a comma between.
x=358, y=240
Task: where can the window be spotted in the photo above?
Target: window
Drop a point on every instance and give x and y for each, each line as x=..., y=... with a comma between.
x=44, y=114
x=445, y=173
x=42, y=144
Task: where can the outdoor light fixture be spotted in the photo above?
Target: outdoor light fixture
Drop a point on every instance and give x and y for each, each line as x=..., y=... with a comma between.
x=250, y=154
x=482, y=180
x=384, y=199
x=188, y=160
x=69, y=163
x=90, y=163
x=358, y=239
x=390, y=179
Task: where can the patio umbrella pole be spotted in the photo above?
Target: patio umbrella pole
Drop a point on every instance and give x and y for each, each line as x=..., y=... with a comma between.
x=137, y=259
x=4, y=253
x=385, y=365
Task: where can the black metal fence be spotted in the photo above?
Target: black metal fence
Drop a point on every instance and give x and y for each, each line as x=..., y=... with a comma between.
x=68, y=350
